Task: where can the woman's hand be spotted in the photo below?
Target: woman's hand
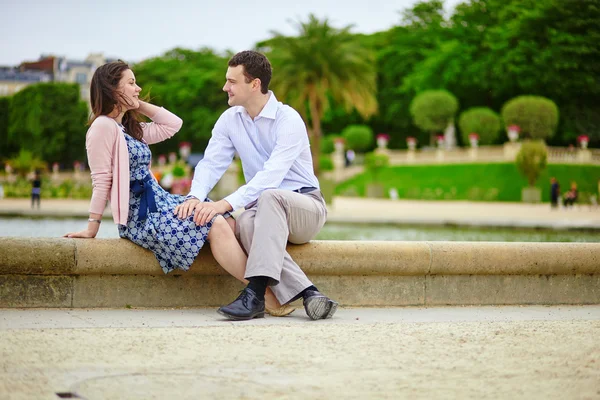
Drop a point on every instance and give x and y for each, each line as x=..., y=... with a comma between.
x=85, y=234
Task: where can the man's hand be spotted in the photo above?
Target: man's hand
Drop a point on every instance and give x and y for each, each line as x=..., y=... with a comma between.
x=205, y=212
x=186, y=208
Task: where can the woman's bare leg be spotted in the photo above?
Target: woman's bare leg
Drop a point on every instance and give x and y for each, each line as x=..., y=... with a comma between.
x=230, y=255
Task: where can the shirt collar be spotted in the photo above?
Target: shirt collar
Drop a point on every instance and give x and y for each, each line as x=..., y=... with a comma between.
x=268, y=111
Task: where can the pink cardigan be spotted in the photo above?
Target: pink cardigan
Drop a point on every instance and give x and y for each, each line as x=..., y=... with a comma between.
x=108, y=159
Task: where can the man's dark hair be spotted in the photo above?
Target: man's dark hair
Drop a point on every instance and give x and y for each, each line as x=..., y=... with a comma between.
x=256, y=65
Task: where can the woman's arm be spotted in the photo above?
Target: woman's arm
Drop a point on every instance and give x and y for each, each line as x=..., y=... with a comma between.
x=164, y=123
x=100, y=141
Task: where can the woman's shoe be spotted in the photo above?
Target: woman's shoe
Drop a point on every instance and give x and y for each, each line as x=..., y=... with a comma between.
x=282, y=311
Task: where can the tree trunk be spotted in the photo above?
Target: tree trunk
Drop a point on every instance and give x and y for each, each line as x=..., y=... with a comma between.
x=315, y=137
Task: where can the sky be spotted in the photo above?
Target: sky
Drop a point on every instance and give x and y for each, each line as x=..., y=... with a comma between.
x=134, y=30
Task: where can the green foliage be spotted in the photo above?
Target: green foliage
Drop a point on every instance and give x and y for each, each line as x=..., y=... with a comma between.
x=21, y=188
x=358, y=137
x=320, y=65
x=325, y=163
x=482, y=121
x=178, y=171
x=536, y=116
x=375, y=163
x=188, y=83
x=433, y=110
x=5, y=147
x=49, y=120
x=532, y=159
x=328, y=144
x=474, y=182
x=25, y=163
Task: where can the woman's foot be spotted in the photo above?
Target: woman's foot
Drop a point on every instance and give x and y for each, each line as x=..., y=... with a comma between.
x=280, y=311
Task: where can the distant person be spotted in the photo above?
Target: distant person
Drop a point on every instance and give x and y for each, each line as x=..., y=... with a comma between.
x=119, y=159
x=554, y=192
x=350, y=156
x=571, y=196
x=36, y=190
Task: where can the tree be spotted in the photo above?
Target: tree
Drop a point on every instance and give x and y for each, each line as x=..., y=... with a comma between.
x=321, y=64
x=532, y=159
x=49, y=120
x=536, y=116
x=188, y=83
x=433, y=110
x=358, y=137
x=25, y=162
x=482, y=121
x=5, y=146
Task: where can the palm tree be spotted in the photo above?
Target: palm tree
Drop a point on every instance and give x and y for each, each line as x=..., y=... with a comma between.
x=319, y=65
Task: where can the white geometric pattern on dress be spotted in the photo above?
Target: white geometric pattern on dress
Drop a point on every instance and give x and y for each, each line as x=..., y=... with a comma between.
x=174, y=242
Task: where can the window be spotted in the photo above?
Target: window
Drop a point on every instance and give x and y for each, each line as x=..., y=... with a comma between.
x=81, y=78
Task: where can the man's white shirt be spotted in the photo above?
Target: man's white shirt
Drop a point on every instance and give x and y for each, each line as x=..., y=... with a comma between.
x=274, y=149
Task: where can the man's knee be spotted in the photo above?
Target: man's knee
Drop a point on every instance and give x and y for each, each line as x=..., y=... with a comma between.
x=244, y=225
x=271, y=196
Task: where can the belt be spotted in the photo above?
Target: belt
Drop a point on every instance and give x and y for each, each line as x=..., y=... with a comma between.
x=143, y=187
x=305, y=189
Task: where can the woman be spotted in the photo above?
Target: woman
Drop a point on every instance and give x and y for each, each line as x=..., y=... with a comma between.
x=119, y=159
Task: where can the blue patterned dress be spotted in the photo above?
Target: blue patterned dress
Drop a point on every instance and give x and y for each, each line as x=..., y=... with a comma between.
x=174, y=242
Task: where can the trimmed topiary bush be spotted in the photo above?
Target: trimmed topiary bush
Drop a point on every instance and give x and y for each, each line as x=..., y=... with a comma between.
x=328, y=144
x=358, y=137
x=536, y=116
x=375, y=162
x=532, y=160
x=325, y=163
x=433, y=110
x=482, y=121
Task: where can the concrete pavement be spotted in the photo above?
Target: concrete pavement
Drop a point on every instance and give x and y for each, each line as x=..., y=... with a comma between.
x=532, y=352
x=363, y=210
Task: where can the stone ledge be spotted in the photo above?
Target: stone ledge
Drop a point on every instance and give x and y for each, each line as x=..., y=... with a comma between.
x=57, y=256
x=53, y=272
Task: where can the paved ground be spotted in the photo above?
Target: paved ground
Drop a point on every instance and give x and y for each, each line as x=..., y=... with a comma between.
x=532, y=352
x=399, y=211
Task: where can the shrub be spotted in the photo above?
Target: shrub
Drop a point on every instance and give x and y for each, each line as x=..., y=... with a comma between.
x=358, y=137
x=482, y=121
x=327, y=144
x=433, y=110
x=325, y=163
x=536, y=116
x=375, y=162
x=532, y=159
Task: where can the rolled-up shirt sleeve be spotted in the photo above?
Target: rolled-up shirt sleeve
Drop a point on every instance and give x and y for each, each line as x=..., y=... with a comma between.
x=217, y=158
x=291, y=140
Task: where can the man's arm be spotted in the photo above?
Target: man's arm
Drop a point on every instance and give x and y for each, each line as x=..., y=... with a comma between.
x=291, y=140
x=217, y=158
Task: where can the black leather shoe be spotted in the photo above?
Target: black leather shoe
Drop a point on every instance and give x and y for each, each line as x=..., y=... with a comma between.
x=246, y=306
x=318, y=306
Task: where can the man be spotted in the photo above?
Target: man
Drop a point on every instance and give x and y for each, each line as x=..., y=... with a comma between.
x=281, y=196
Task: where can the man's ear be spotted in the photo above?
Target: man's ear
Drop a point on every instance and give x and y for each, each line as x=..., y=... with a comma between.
x=256, y=83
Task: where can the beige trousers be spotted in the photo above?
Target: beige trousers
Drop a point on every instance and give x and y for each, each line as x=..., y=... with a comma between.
x=265, y=228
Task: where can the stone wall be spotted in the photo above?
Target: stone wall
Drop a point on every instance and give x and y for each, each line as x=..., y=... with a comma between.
x=39, y=272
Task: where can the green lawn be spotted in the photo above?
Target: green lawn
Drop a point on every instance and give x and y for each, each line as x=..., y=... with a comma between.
x=477, y=182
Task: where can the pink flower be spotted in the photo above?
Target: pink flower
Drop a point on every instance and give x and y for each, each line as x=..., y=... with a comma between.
x=473, y=136
x=383, y=136
x=411, y=139
x=583, y=138
x=516, y=128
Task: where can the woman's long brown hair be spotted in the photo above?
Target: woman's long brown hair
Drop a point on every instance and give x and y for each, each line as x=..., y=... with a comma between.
x=104, y=96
